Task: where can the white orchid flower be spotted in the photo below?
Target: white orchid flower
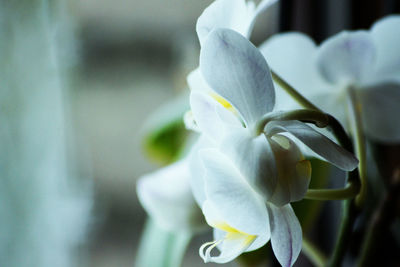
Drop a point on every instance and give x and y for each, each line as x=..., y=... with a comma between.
x=239, y=74
x=238, y=15
x=241, y=220
x=367, y=61
x=167, y=197
x=232, y=207
x=254, y=168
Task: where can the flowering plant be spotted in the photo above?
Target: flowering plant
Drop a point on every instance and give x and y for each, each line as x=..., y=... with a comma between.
x=257, y=132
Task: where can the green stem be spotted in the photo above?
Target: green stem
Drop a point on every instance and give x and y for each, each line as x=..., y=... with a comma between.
x=349, y=215
x=313, y=253
x=338, y=131
x=345, y=230
x=293, y=92
x=359, y=141
x=380, y=223
x=350, y=191
x=350, y=210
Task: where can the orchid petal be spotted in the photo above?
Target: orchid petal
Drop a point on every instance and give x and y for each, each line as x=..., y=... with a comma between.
x=229, y=241
x=380, y=106
x=292, y=56
x=387, y=41
x=231, y=14
x=166, y=195
x=196, y=169
x=212, y=215
x=231, y=246
x=211, y=117
x=254, y=13
x=293, y=170
x=331, y=101
x=347, y=57
x=230, y=194
x=258, y=242
x=317, y=142
x=237, y=15
x=237, y=71
x=254, y=158
x=286, y=234
x=196, y=82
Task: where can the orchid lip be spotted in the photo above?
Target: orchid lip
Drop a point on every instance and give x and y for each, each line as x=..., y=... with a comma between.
x=232, y=235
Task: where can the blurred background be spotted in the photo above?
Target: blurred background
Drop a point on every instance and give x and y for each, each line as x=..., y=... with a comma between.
x=130, y=58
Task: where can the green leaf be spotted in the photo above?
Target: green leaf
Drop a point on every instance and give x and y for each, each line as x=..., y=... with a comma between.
x=161, y=248
x=166, y=144
x=164, y=134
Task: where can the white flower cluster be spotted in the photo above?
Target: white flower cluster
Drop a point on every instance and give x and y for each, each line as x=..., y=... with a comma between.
x=367, y=62
x=244, y=179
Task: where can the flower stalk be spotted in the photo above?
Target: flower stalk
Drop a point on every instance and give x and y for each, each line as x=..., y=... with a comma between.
x=359, y=141
x=350, y=212
x=381, y=220
x=293, y=92
x=313, y=253
x=349, y=215
x=350, y=191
